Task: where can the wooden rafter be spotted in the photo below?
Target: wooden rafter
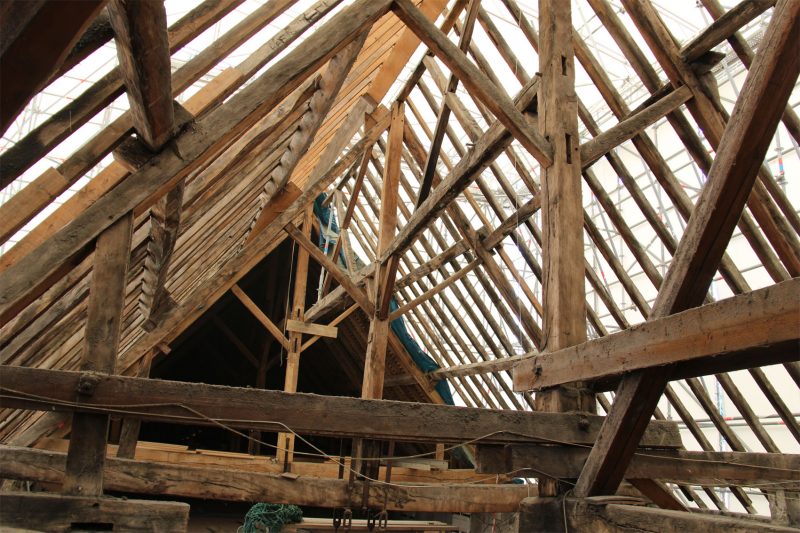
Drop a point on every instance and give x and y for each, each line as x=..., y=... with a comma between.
x=476, y=82
x=31, y=275
x=444, y=111
x=50, y=28
x=705, y=239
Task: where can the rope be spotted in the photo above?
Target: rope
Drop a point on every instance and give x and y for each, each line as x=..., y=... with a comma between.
x=271, y=516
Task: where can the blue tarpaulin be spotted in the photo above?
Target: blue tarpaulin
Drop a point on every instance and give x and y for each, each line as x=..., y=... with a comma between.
x=329, y=231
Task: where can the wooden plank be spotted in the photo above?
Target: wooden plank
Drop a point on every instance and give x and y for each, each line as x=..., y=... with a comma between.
x=59, y=513
x=312, y=329
x=230, y=484
x=322, y=415
x=674, y=466
x=296, y=315
x=140, y=30
x=739, y=156
x=192, y=147
x=339, y=319
x=100, y=346
x=50, y=28
x=600, y=517
x=178, y=454
x=626, y=129
x=751, y=322
x=259, y=315
x=319, y=106
x=724, y=27
x=476, y=82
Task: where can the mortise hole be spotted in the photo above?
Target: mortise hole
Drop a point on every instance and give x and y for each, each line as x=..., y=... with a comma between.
x=563, y=65
x=568, y=141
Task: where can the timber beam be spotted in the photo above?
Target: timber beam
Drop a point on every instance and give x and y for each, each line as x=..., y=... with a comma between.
x=57, y=512
x=632, y=126
x=608, y=514
x=753, y=329
x=50, y=28
x=140, y=30
x=731, y=177
x=759, y=328
x=229, y=484
x=267, y=410
x=193, y=147
x=444, y=111
x=476, y=82
x=672, y=466
x=724, y=27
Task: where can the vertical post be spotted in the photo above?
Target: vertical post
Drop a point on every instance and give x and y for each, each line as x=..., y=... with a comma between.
x=562, y=211
x=87, y=444
x=375, y=360
x=286, y=440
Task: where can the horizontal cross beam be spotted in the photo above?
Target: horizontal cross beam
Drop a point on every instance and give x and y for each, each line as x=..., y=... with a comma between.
x=761, y=323
x=266, y=410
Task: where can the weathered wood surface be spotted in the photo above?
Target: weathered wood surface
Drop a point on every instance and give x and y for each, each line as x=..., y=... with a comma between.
x=725, y=26
x=243, y=485
x=50, y=28
x=58, y=513
x=140, y=30
x=384, y=276
x=191, y=148
x=323, y=415
x=312, y=329
x=608, y=515
x=412, y=472
x=476, y=82
x=429, y=169
x=675, y=466
x=100, y=347
x=739, y=156
x=36, y=144
x=748, y=327
x=319, y=106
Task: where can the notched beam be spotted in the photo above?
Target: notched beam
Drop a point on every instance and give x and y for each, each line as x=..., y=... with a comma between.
x=140, y=30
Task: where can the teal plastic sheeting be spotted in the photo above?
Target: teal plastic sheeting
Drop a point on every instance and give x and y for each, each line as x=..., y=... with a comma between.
x=329, y=233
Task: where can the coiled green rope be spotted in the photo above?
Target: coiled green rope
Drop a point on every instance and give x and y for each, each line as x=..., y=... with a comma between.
x=271, y=516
